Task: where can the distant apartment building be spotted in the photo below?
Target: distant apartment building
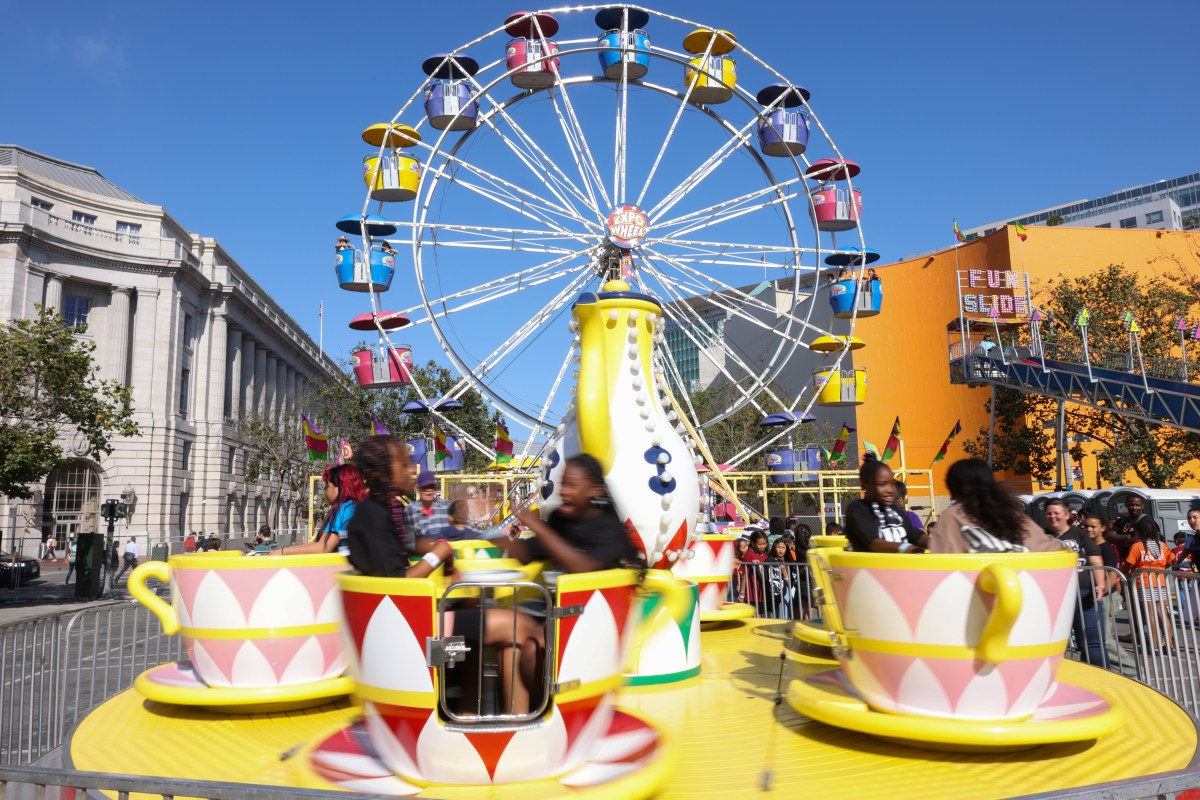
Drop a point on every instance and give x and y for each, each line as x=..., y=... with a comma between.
x=1170, y=205
x=173, y=316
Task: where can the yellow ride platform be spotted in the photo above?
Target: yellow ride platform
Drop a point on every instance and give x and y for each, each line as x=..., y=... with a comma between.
x=724, y=730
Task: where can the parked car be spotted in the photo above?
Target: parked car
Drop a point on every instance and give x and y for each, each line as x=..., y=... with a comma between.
x=23, y=567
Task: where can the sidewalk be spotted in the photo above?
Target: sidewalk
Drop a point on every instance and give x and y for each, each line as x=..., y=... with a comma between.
x=45, y=596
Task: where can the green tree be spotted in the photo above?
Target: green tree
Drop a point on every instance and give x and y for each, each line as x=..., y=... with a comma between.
x=277, y=458
x=1155, y=453
x=50, y=389
x=740, y=430
x=1054, y=219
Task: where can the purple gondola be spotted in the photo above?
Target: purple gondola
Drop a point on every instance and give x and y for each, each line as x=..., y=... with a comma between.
x=449, y=105
x=783, y=132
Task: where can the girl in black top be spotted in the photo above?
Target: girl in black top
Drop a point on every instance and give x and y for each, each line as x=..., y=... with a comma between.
x=584, y=534
x=873, y=524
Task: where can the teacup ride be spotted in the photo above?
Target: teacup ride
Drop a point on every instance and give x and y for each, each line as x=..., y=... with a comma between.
x=411, y=738
x=711, y=76
x=392, y=174
x=834, y=208
x=626, y=52
x=710, y=568
x=261, y=634
x=955, y=652
x=450, y=103
x=853, y=297
x=532, y=56
x=383, y=365
x=783, y=132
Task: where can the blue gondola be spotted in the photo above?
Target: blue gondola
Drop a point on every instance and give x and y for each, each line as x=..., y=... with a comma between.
x=448, y=102
x=843, y=295
x=783, y=132
x=631, y=49
x=357, y=274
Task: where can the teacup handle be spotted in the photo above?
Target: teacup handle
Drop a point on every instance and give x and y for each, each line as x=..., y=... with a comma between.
x=824, y=576
x=1001, y=581
x=674, y=591
x=144, y=595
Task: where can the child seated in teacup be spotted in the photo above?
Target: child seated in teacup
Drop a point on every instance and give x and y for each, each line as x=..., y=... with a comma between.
x=984, y=518
x=876, y=524
x=378, y=539
x=344, y=489
x=584, y=534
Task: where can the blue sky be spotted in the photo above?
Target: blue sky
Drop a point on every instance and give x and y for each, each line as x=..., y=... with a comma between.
x=243, y=119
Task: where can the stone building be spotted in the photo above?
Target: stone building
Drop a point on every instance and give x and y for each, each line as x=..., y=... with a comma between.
x=173, y=316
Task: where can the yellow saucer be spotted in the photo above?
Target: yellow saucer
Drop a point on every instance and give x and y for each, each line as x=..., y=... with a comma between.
x=812, y=632
x=178, y=684
x=634, y=759
x=1070, y=714
x=727, y=612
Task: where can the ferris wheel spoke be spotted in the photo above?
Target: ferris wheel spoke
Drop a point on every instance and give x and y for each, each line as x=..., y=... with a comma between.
x=716, y=216
x=503, y=286
x=731, y=204
x=577, y=142
x=489, y=364
x=515, y=197
x=544, y=413
x=686, y=323
x=551, y=174
x=711, y=164
x=692, y=247
x=683, y=105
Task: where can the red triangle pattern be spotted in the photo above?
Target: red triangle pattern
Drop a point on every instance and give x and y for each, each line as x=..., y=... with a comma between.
x=280, y=652
x=358, y=609
x=636, y=538
x=567, y=624
x=187, y=584
x=318, y=582
x=1054, y=588
x=490, y=747
x=418, y=613
x=405, y=724
x=620, y=602
x=716, y=545
x=678, y=542
x=576, y=714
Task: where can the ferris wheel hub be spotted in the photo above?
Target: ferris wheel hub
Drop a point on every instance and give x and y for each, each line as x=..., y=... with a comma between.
x=627, y=226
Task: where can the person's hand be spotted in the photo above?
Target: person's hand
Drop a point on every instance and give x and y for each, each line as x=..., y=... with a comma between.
x=443, y=549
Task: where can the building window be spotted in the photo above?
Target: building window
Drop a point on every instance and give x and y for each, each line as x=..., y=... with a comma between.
x=1105, y=225
x=1153, y=217
x=989, y=231
x=189, y=329
x=40, y=204
x=83, y=219
x=230, y=459
x=75, y=310
x=186, y=456
x=1129, y=222
x=185, y=385
x=129, y=232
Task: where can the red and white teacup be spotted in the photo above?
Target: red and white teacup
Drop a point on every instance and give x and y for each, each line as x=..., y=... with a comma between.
x=250, y=622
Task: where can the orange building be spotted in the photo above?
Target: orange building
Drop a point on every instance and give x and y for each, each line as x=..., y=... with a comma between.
x=907, y=357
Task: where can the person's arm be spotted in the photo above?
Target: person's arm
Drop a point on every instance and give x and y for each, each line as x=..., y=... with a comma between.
x=325, y=542
x=1113, y=536
x=556, y=547
x=862, y=528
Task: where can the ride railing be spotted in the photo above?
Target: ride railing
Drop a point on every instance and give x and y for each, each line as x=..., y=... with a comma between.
x=1171, y=369
x=19, y=782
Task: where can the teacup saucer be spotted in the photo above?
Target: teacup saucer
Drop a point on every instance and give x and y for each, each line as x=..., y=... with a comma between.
x=178, y=684
x=727, y=612
x=1069, y=714
x=632, y=760
x=812, y=631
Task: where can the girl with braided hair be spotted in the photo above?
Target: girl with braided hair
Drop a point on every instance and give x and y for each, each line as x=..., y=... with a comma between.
x=378, y=538
x=874, y=524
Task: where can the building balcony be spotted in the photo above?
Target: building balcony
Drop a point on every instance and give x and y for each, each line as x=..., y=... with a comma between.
x=94, y=237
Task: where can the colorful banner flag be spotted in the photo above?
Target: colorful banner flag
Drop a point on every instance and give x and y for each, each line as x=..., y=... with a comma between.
x=1021, y=234
x=440, y=450
x=504, y=445
x=345, y=451
x=893, y=443
x=946, y=444
x=378, y=428
x=1083, y=318
x=839, y=447
x=825, y=454
x=957, y=233
x=870, y=448
x=316, y=442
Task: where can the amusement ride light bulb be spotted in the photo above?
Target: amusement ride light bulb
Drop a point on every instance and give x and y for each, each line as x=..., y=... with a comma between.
x=636, y=383
x=614, y=316
x=665, y=476
x=656, y=440
x=633, y=315
x=663, y=458
x=672, y=555
x=644, y=413
x=656, y=556
x=664, y=520
x=650, y=425
x=573, y=326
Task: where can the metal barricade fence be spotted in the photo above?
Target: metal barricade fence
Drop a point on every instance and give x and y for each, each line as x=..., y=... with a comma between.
x=1164, y=606
x=776, y=589
x=53, y=670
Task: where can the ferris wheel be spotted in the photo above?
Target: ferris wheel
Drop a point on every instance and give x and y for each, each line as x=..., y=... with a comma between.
x=571, y=147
